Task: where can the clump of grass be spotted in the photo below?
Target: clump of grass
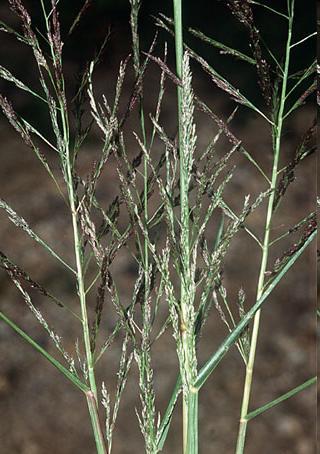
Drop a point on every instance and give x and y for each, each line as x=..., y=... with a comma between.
x=184, y=268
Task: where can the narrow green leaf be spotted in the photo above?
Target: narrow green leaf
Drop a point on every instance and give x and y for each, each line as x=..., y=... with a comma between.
x=282, y=398
x=230, y=340
x=166, y=420
x=79, y=384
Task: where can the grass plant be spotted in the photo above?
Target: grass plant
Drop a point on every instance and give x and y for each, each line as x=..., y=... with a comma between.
x=175, y=186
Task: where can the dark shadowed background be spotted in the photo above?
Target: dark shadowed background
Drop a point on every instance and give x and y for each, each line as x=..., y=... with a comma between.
x=39, y=411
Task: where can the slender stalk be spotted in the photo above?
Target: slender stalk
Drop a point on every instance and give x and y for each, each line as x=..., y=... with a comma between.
x=304, y=39
x=179, y=56
x=92, y=395
x=265, y=249
x=270, y=9
x=76, y=237
x=145, y=368
x=78, y=256
x=135, y=8
x=190, y=397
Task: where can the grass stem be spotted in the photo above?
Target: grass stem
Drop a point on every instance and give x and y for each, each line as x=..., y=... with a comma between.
x=95, y=422
x=190, y=398
x=265, y=250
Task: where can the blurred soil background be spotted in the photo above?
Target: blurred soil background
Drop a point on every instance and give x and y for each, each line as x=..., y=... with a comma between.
x=41, y=413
